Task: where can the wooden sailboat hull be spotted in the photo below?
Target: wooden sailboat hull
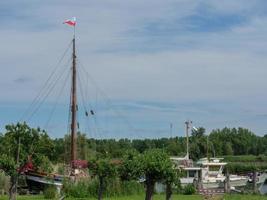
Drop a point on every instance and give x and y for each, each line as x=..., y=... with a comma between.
x=38, y=182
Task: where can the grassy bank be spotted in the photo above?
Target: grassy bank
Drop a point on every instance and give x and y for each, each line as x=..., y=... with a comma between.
x=158, y=197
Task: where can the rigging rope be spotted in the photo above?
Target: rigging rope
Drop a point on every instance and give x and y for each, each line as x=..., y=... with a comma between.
x=52, y=86
x=57, y=100
x=83, y=100
x=106, y=99
x=35, y=100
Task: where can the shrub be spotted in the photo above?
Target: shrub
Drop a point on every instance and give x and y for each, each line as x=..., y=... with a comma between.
x=50, y=192
x=114, y=188
x=131, y=188
x=81, y=189
x=189, y=189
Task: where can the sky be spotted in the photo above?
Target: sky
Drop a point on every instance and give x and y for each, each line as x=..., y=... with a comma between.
x=150, y=63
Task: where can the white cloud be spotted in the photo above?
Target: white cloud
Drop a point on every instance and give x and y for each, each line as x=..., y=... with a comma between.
x=118, y=47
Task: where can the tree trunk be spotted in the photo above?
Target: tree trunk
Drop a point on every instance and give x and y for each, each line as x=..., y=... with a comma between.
x=12, y=189
x=101, y=188
x=168, y=191
x=149, y=189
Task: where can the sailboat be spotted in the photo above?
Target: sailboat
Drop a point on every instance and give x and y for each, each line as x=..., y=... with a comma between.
x=37, y=180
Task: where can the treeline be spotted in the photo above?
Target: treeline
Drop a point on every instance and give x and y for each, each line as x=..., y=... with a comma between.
x=220, y=142
x=126, y=160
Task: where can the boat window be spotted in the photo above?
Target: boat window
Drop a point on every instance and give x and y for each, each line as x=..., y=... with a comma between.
x=192, y=173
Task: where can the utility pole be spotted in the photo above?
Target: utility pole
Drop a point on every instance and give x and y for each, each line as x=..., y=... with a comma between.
x=208, y=147
x=171, y=129
x=187, y=127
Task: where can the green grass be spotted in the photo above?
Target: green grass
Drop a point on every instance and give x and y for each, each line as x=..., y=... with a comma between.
x=134, y=197
x=157, y=197
x=245, y=197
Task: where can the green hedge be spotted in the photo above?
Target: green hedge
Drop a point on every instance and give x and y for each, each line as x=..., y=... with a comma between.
x=246, y=158
x=246, y=167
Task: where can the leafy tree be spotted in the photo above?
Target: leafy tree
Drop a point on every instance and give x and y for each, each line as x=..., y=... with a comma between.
x=228, y=149
x=171, y=178
x=156, y=167
x=198, y=132
x=103, y=169
x=9, y=166
x=131, y=166
x=17, y=144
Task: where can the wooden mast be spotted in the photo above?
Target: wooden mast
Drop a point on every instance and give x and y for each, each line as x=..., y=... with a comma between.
x=73, y=109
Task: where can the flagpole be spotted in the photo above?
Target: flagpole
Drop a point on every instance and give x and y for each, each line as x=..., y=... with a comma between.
x=74, y=32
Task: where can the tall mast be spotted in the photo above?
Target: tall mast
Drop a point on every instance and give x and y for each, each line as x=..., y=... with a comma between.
x=73, y=108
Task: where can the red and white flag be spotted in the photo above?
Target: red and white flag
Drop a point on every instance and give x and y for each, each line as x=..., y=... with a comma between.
x=71, y=22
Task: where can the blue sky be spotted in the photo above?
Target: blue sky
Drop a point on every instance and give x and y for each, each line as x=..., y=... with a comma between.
x=158, y=62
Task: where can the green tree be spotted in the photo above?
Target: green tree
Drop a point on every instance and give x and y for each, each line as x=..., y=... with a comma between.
x=103, y=169
x=131, y=167
x=228, y=149
x=171, y=178
x=9, y=166
x=18, y=142
x=156, y=167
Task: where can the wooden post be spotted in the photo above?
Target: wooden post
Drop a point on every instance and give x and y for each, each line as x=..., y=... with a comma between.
x=227, y=182
x=73, y=111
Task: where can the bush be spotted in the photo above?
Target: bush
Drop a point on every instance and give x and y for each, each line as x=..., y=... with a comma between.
x=131, y=188
x=50, y=192
x=114, y=188
x=4, y=183
x=189, y=189
x=81, y=189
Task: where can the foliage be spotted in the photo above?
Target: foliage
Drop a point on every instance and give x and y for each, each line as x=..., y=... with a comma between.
x=50, y=192
x=131, y=188
x=22, y=136
x=18, y=142
x=189, y=189
x=156, y=166
x=89, y=188
x=7, y=164
x=246, y=158
x=246, y=167
x=4, y=182
x=222, y=142
x=131, y=166
x=42, y=163
x=81, y=189
x=104, y=170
